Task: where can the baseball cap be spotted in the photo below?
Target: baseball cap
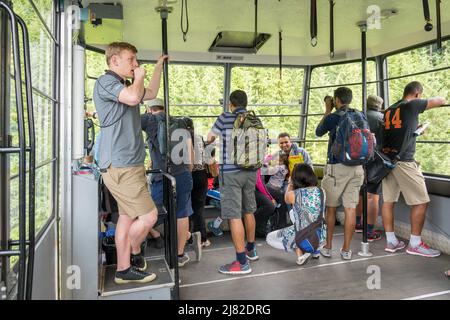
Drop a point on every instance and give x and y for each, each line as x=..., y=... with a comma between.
x=155, y=103
x=374, y=102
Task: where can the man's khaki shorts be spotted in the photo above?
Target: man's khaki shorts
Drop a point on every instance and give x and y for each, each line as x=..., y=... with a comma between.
x=407, y=178
x=128, y=186
x=342, y=184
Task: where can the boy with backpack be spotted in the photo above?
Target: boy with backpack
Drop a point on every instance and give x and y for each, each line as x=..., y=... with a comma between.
x=350, y=146
x=154, y=125
x=242, y=153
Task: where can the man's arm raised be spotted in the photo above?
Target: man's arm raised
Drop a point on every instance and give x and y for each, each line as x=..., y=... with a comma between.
x=435, y=102
x=152, y=90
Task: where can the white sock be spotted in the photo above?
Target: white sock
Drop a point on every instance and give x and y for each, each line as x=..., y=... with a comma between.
x=391, y=238
x=217, y=222
x=414, y=241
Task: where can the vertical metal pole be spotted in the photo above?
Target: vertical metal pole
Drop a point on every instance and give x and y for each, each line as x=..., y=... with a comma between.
x=363, y=27
x=164, y=12
x=227, y=86
x=439, y=25
x=58, y=10
x=304, y=105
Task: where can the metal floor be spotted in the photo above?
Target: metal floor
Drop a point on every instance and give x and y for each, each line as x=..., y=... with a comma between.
x=276, y=275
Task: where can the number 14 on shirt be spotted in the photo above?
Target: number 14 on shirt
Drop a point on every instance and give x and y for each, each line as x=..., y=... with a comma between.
x=396, y=121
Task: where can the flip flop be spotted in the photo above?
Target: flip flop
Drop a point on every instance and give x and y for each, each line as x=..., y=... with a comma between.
x=447, y=274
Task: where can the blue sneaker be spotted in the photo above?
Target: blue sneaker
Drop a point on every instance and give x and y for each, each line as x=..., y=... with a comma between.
x=252, y=255
x=216, y=231
x=235, y=268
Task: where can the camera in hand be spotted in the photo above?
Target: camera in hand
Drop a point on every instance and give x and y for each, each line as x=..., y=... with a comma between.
x=331, y=100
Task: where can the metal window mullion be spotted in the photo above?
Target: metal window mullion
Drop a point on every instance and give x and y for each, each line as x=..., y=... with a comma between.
x=38, y=91
x=40, y=165
x=56, y=128
x=226, y=86
x=305, y=104
x=383, y=86
x=345, y=84
x=49, y=32
x=433, y=141
x=43, y=95
x=416, y=73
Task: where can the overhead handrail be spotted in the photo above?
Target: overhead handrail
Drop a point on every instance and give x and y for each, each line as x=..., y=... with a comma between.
x=32, y=158
x=22, y=152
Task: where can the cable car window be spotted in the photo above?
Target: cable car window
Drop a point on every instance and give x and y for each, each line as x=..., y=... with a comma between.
x=42, y=54
x=195, y=91
x=433, y=147
x=276, y=100
x=332, y=77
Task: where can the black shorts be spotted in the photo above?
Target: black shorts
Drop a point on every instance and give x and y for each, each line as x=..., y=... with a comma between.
x=373, y=189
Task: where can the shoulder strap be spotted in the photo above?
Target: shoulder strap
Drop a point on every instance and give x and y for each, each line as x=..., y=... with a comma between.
x=340, y=113
x=322, y=203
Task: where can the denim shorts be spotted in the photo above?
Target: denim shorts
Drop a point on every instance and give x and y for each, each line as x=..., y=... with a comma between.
x=184, y=188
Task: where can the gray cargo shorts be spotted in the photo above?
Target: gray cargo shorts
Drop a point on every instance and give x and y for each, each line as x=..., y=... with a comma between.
x=237, y=194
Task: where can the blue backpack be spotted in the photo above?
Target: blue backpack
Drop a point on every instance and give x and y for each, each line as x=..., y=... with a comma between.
x=354, y=144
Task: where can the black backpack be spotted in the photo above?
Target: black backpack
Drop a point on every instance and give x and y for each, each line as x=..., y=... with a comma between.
x=157, y=133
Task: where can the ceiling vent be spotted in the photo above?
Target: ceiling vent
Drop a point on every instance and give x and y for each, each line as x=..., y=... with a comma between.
x=238, y=42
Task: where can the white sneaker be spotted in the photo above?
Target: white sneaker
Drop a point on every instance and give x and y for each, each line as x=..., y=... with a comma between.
x=325, y=252
x=346, y=255
x=302, y=259
x=206, y=243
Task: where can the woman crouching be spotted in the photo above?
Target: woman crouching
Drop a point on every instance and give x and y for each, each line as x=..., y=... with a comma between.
x=307, y=234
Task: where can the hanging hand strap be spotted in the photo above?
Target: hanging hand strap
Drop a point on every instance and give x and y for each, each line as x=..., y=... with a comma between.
x=313, y=23
x=184, y=30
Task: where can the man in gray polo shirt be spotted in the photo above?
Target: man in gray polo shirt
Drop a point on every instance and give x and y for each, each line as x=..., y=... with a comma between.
x=122, y=154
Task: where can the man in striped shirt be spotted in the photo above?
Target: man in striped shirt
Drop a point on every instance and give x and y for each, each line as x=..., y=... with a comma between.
x=237, y=189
